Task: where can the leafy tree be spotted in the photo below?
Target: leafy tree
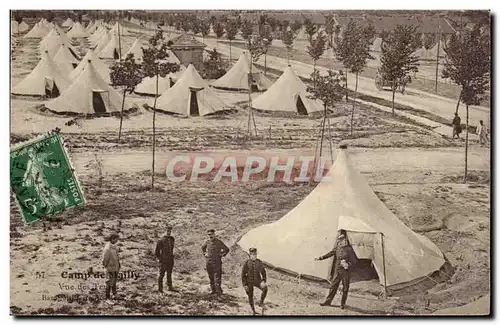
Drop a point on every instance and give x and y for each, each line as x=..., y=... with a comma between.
x=329, y=90
x=284, y=26
x=398, y=59
x=330, y=30
x=288, y=39
x=311, y=29
x=214, y=67
x=126, y=74
x=155, y=64
x=267, y=40
x=316, y=48
x=50, y=16
x=429, y=41
x=204, y=28
x=231, y=31
x=296, y=26
x=219, y=31
x=353, y=51
x=468, y=64
x=196, y=26
x=246, y=29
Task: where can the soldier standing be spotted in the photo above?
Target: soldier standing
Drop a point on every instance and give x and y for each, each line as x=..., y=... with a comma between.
x=111, y=262
x=343, y=260
x=214, y=249
x=165, y=254
x=253, y=275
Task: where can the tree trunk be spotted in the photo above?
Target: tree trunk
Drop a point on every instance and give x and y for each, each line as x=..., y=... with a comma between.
x=354, y=101
x=322, y=134
x=314, y=72
x=393, y=95
x=466, y=140
x=458, y=102
x=121, y=115
x=265, y=64
x=154, y=136
x=346, y=89
x=229, y=51
x=288, y=56
x=217, y=42
x=119, y=43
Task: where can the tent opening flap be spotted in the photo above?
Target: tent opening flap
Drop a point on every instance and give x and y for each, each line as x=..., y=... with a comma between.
x=301, y=108
x=193, y=104
x=51, y=89
x=98, y=102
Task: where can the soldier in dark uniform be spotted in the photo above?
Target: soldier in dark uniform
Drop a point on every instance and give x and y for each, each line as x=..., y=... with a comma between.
x=253, y=275
x=344, y=259
x=165, y=254
x=214, y=249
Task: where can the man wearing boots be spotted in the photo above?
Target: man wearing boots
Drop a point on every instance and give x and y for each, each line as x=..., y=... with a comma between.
x=253, y=275
x=165, y=254
x=111, y=262
x=344, y=259
x=213, y=250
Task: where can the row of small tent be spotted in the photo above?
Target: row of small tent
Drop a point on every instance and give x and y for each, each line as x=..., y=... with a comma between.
x=184, y=93
x=427, y=54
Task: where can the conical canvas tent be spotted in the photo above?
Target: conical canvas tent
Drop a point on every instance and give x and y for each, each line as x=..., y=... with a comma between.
x=119, y=28
x=88, y=94
x=111, y=50
x=432, y=53
x=148, y=85
x=345, y=201
x=102, y=42
x=100, y=67
x=288, y=94
x=136, y=50
x=237, y=77
x=38, y=31
x=77, y=31
x=45, y=80
x=99, y=32
x=68, y=23
x=65, y=60
x=191, y=95
x=53, y=41
x=23, y=27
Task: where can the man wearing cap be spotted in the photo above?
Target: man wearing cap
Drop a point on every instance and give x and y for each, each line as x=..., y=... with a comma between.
x=253, y=275
x=111, y=262
x=344, y=259
x=165, y=253
x=213, y=250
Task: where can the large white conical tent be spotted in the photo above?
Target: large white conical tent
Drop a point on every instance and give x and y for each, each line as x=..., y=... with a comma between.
x=23, y=27
x=99, y=32
x=88, y=94
x=77, y=31
x=191, y=95
x=101, y=43
x=136, y=50
x=65, y=60
x=39, y=30
x=148, y=85
x=45, y=79
x=100, y=66
x=344, y=200
x=68, y=23
x=111, y=50
x=288, y=94
x=237, y=77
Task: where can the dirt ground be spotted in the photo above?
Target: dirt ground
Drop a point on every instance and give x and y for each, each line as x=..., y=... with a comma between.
x=416, y=172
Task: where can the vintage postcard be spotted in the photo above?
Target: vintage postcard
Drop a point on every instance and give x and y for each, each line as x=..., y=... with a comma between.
x=250, y=162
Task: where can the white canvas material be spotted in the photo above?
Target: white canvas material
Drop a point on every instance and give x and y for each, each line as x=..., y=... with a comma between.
x=77, y=31
x=177, y=99
x=100, y=66
x=237, y=77
x=284, y=93
x=34, y=83
x=345, y=202
x=78, y=97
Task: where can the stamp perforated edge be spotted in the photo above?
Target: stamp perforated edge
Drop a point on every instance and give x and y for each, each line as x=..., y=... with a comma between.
x=64, y=147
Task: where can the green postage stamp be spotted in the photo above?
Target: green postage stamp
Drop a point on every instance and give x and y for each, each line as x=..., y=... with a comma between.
x=42, y=179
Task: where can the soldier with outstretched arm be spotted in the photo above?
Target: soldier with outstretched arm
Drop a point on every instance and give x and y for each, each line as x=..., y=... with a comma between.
x=344, y=259
x=213, y=250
